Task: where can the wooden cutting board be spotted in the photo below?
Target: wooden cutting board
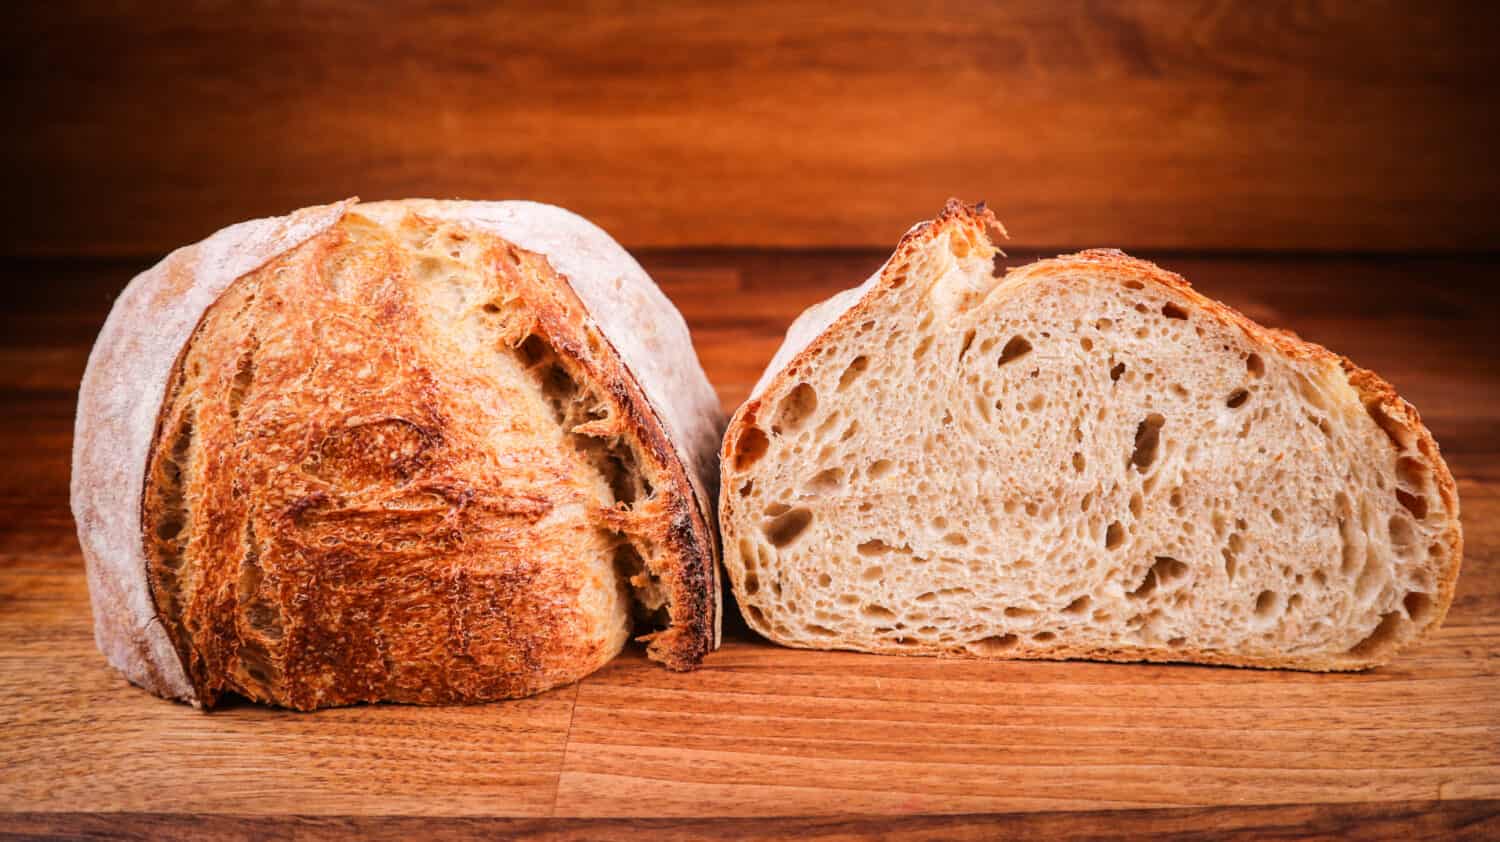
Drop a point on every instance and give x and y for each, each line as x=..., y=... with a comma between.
x=830, y=744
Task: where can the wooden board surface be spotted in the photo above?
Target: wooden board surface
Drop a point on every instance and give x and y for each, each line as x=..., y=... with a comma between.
x=852, y=744
x=139, y=126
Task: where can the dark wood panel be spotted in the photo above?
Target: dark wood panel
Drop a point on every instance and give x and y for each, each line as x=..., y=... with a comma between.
x=1448, y=820
x=139, y=126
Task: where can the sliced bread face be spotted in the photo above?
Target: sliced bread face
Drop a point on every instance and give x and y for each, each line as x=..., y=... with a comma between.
x=1082, y=458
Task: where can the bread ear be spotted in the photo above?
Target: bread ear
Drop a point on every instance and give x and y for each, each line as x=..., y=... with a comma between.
x=653, y=343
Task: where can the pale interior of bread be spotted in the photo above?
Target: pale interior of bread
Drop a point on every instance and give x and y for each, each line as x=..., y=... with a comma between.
x=470, y=320
x=1074, y=465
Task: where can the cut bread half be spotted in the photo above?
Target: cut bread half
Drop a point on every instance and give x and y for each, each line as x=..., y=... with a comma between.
x=1081, y=458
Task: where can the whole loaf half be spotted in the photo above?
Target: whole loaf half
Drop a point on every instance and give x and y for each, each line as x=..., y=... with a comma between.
x=419, y=451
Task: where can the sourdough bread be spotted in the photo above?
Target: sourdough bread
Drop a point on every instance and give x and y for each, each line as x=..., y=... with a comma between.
x=1081, y=458
x=414, y=451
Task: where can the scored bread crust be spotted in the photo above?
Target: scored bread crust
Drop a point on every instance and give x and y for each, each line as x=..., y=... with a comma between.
x=838, y=318
x=647, y=352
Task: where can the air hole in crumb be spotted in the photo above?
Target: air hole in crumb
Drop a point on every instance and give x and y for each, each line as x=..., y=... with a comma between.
x=872, y=573
x=798, y=405
x=1079, y=605
x=532, y=350
x=1114, y=535
x=968, y=340
x=1147, y=436
x=1016, y=348
x=1172, y=311
x=878, y=612
x=1078, y=462
x=1044, y=637
x=1168, y=570
x=1418, y=606
x=1116, y=371
x=827, y=480
x=788, y=527
x=922, y=348
x=1134, y=285
x=1164, y=571
x=757, y=616
x=751, y=446
x=1267, y=603
x=1403, y=537
x=1255, y=365
x=993, y=645
x=1016, y=611
x=1237, y=398
x=1277, y=516
x=1398, y=434
x=852, y=372
x=1086, y=343
x=874, y=547
x=1381, y=637
x=1413, y=503
x=879, y=468
x=1412, y=472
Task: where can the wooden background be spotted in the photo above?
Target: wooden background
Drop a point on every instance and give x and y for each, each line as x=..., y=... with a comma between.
x=1326, y=167
x=136, y=127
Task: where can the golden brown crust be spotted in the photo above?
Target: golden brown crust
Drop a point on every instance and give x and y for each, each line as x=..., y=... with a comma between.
x=345, y=502
x=839, y=316
x=119, y=400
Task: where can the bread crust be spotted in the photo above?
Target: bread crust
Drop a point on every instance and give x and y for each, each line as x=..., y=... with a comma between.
x=679, y=414
x=838, y=317
x=665, y=406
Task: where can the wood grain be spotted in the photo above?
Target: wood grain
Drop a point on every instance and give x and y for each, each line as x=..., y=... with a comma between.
x=849, y=745
x=1447, y=820
x=1329, y=125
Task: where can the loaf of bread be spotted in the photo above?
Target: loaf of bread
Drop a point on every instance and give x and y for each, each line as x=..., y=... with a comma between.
x=1081, y=458
x=414, y=451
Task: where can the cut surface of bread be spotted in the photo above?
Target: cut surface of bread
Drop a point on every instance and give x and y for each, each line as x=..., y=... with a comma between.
x=1080, y=458
x=402, y=461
